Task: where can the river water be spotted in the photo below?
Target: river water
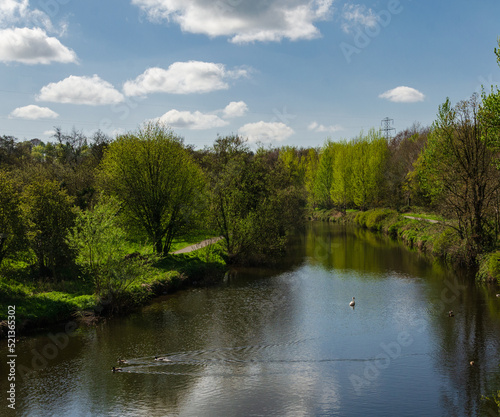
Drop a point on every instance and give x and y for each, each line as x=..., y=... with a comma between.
x=282, y=341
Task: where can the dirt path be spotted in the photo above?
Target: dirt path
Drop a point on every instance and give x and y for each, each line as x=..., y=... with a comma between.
x=198, y=245
x=421, y=218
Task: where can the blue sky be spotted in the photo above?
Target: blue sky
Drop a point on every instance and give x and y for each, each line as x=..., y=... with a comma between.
x=280, y=72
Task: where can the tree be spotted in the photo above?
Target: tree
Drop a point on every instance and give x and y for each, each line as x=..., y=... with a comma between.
x=48, y=212
x=369, y=155
x=324, y=175
x=404, y=150
x=341, y=190
x=98, y=240
x=12, y=234
x=457, y=169
x=312, y=161
x=155, y=177
x=253, y=200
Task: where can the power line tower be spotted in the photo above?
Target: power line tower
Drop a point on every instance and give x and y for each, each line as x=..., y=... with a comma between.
x=386, y=127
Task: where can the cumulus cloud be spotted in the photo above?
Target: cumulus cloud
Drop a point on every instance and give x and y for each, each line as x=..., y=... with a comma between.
x=32, y=46
x=403, y=94
x=33, y=112
x=19, y=13
x=189, y=120
x=81, y=90
x=235, y=109
x=242, y=21
x=183, y=78
x=265, y=132
x=355, y=15
x=316, y=127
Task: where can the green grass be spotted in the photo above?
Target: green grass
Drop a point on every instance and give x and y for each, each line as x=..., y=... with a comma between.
x=42, y=302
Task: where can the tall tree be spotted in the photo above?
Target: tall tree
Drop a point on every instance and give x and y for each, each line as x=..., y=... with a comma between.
x=341, y=190
x=253, y=199
x=12, y=233
x=458, y=170
x=369, y=155
x=155, y=177
x=324, y=175
x=49, y=214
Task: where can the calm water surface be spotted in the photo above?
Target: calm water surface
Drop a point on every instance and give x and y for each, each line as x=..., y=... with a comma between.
x=283, y=342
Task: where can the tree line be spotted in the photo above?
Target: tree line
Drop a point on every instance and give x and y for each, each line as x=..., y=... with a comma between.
x=71, y=201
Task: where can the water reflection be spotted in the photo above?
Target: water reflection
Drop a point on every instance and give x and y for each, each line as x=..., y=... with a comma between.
x=284, y=341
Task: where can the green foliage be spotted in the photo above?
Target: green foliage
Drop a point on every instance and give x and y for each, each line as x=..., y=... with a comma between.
x=253, y=199
x=457, y=170
x=369, y=155
x=98, y=241
x=48, y=212
x=341, y=189
x=156, y=178
x=312, y=161
x=446, y=244
x=12, y=234
x=375, y=219
x=489, y=267
x=324, y=176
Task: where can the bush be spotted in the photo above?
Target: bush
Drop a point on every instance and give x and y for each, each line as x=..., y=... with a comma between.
x=489, y=267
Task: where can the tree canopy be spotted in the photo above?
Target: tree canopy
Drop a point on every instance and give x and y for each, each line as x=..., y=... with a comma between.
x=155, y=177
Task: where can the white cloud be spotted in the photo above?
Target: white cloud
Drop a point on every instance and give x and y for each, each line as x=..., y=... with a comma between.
x=81, y=90
x=194, y=121
x=316, y=127
x=33, y=112
x=32, y=46
x=242, y=21
x=18, y=12
x=358, y=15
x=182, y=78
x=265, y=132
x=403, y=94
x=235, y=109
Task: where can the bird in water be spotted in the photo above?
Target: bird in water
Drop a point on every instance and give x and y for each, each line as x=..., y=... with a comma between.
x=116, y=369
x=162, y=359
x=451, y=314
x=472, y=363
x=352, y=303
x=122, y=361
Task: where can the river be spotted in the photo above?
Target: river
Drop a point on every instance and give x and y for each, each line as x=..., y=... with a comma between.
x=282, y=341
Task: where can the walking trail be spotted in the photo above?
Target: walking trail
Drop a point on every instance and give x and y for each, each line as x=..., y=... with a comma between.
x=198, y=245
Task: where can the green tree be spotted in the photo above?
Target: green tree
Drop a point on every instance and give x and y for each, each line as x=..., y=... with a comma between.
x=404, y=150
x=341, y=189
x=324, y=175
x=155, y=177
x=98, y=240
x=253, y=200
x=457, y=169
x=12, y=233
x=369, y=156
x=312, y=161
x=48, y=212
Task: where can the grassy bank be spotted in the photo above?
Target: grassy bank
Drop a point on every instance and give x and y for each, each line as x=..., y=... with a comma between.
x=429, y=233
x=42, y=303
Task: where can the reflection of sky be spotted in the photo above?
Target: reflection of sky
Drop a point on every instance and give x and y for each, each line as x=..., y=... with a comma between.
x=287, y=344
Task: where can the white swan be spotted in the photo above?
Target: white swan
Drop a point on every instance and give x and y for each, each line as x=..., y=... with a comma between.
x=352, y=303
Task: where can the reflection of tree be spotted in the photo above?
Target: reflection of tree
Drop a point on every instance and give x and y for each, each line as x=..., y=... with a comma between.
x=464, y=338
x=349, y=247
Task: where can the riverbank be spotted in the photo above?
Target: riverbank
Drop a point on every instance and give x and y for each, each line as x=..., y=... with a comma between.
x=427, y=233
x=40, y=304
